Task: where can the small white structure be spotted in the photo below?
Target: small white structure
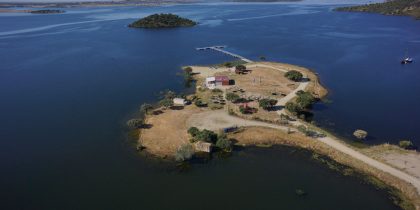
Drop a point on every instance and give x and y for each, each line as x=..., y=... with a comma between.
x=179, y=102
x=201, y=146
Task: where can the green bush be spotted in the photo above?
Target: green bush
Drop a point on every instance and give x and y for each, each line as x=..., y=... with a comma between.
x=184, y=152
x=293, y=107
x=135, y=123
x=240, y=67
x=224, y=144
x=406, y=144
x=305, y=99
x=204, y=135
x=294, y=75
x=193, y=131
x=267, y=104
x=233, y=97
x=146, y=108
x=188, y=69
x=200, y=103
x=166, y=102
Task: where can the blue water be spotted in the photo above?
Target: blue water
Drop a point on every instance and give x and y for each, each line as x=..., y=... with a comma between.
x=69, y=82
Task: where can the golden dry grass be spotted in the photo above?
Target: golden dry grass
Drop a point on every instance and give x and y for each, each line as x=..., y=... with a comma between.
x=168, y=131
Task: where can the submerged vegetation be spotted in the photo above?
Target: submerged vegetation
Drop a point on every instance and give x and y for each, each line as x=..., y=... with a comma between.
x=393, y=7
x=162, y=21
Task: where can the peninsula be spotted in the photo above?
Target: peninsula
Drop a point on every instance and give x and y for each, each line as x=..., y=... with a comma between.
x=260, y=104
x=392, y=7
x=162, y=21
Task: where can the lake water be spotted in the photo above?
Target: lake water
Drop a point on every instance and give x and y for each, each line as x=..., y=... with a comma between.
x=69, y=82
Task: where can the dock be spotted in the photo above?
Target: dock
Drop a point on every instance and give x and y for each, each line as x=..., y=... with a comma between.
x=220, y=48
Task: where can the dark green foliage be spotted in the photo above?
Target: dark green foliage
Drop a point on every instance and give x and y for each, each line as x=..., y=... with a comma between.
x=204, y=135
x=395, y=7
x=166, y=102
x=233, y=97
x=294, y=75
x=47, y=11
x=224, y=143
x=263, y=58
x=406, y=144
x=267, y=104
x=162, y=21
x=216, y=90
x=293, y=107
x=135, y=123
x=200, y=103
x=305, y=99
x=193, y=131
x=240, y=67
x=146, y=108
x=184, y=152
x=247, y=110
x=188, y=69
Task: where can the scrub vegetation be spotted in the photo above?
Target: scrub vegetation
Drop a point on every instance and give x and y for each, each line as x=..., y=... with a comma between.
x=394, y=7
x=162, y=21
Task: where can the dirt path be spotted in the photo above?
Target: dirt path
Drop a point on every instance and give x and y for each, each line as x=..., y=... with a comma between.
x=215, y=120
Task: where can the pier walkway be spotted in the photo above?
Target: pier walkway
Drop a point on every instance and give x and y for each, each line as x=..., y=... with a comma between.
x=220, y=48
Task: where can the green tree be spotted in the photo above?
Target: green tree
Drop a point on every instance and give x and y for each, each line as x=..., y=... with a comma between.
x=206, y=136
x=224, y=143
x=193, y=131
x=233, y=97
x=184, y=152
x=135, y=123
x=188, y=69
x=267, y=104
x=406, y=144
x=146, y=108
x=240, y=67
x=304, y=99
x=293, y=107
x=166, y=102
x=294, y=75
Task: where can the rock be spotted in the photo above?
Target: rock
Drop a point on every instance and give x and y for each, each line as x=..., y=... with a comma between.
x=360, y=134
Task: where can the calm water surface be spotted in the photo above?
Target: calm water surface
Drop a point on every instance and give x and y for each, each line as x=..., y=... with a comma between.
x=69, y=82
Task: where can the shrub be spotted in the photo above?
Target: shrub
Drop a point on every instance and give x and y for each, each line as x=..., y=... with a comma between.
x=228, y=64
x=188, y=69
x=293, y=107
x=146, y=108
x=294, y=75
x=406, y=144
x=193, y=131
x=166, y=102
x=224, y=144
x=240, y=67
x=267, y=104
x=135, y=123
x=360, y=134
x=305, y=99
x=184, y=152
x=216, y=90
x=204, y=135
x=233, y=97
x=200, y=103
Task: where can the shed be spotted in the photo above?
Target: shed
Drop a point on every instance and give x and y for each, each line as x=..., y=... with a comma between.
x=179, y=101
x=212, y=82
x=201, y=146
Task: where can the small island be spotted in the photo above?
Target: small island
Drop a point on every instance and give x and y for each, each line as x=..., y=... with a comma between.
x=47, y=11
x=394, y=7
x=162, y=21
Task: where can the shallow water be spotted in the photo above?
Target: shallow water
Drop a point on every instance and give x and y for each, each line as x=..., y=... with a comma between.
x=69, y=82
